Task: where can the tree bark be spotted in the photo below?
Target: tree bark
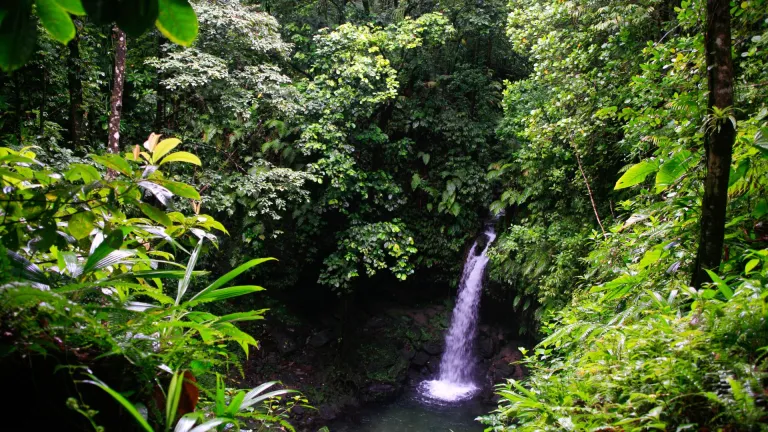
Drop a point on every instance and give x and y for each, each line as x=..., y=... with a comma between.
x=74, y=72
x=367, y=7
x=116, y=101
x=718, y=142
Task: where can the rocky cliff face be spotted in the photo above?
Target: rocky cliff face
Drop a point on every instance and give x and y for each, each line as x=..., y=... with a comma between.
x=391, y=350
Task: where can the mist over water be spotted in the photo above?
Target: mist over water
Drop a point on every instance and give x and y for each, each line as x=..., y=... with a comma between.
x=456, y=379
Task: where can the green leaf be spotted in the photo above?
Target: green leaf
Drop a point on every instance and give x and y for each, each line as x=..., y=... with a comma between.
x=110, y=244
x=155, y=214
x=721, y=285
x=56, y=20
x=636, y=174
x=673, y=169
x=75, y=7
x=650, y=257
x=761, y=208
x=243, y=316
x=415, y=181
x=122, y=400
x=188, y=421
x=115, y=162
x=177, y=21
x=178, y=188
x=181, y=157
x=81, y=224
x=234, y=404
x=209, y=425
x=225, y=293
x=164, y=147
x=18, y=33
x=174, y=395
x=86, y=173
x=184, y=282
x=751, y=265
x=250, y=401
x=220, y=282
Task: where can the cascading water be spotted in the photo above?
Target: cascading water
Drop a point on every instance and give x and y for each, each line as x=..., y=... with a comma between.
x=455, y=381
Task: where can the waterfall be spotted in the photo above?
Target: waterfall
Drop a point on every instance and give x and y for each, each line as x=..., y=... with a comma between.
x=455, y=381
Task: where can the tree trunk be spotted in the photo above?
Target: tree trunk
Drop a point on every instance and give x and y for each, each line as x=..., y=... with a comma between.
x=75, y=92
x=116, y=102
x=589, y=191
x=160, y=90
x=43, y=100
x=367, y=7
x=719, y=140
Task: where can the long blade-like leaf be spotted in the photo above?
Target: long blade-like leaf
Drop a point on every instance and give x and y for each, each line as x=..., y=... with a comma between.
x=24, y=269
x=220, y=282
x=187, y=422
x=225, y=293
x=250, y=402
x=184, y=282
x=210, y=424
x=111, y=243
x=122, y=400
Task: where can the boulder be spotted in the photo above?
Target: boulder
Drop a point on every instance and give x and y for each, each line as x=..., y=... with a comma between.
x=420, y=359
x=433, y=348
x=286, y=343
x=320, y=339
x=486, y=346
x=408, y=353
x=434, y=365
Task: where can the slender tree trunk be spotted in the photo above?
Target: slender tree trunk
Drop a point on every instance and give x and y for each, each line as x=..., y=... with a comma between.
x=719, y=140
x=589, y=191
x=75, y=92
x=160, y=90
x=367, y=7
x=41, y=109
x=116, y=102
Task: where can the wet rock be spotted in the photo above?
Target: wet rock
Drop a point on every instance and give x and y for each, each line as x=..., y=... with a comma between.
x=408, y=353
x=434, y=365
x=414, y=376
x=285, y=343
x=320, y=339
x=375, y=323
x=484, y=329
x=328, y=411
x=485, y=346
x=503, y=365
x=433, y=348
x=420, y=359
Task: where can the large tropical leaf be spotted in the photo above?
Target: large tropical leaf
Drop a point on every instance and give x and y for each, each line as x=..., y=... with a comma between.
x=636, y=174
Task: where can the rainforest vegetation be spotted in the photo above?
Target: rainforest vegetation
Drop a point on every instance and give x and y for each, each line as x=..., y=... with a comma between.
x=192, y=188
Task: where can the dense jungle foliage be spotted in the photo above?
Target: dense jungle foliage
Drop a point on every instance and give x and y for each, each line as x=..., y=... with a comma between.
x=164, y=161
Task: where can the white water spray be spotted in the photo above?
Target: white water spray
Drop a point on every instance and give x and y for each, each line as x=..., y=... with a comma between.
x=455, y=381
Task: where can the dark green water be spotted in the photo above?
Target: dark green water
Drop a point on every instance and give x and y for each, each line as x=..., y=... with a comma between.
x=410, y=414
